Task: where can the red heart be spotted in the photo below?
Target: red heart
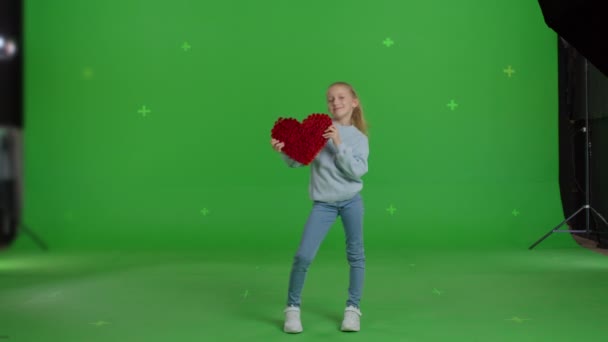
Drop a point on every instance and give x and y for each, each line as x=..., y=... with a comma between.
x=302, y=141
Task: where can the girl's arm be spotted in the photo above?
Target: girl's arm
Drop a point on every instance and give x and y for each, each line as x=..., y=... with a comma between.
x=353, y=161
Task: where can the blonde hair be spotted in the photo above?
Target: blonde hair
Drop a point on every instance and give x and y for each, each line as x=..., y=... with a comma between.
x=357, y=117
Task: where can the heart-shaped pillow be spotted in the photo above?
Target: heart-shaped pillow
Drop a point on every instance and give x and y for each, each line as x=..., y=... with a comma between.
x=303, y=141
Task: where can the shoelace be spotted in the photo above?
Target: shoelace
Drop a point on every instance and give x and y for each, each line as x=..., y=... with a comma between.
x=353, y=310
x=292, y=309
x=351, y=317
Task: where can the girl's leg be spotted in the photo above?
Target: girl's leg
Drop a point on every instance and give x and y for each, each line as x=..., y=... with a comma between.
x=321, y=218
x=352, y=219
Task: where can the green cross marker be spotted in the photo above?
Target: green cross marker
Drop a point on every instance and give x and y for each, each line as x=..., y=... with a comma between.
x=452, y=105
x=391, y=209
x=204, y=211
x=517, y=319
x=143, y=111
x=388, y=42
x=47, y=297
x=87, y=73
x=515, y=212
x=186, y=46
x=509, y=71
x=100, y=323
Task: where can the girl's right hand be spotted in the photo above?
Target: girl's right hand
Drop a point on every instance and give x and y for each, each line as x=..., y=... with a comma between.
x=277, y=145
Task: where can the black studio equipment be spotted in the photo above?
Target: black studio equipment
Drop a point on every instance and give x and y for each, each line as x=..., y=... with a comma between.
x=11, y=119
x=11, y=123
x=583, y=114
x=581, y=23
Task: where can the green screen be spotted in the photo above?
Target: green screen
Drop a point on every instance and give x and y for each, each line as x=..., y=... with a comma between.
x=168, y=216
x=148, y=123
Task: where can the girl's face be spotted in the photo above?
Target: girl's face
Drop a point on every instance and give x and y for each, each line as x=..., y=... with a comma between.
x=340, y=102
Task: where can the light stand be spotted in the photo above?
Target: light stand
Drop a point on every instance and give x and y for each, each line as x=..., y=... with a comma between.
x=587, y=206
x=11, y=189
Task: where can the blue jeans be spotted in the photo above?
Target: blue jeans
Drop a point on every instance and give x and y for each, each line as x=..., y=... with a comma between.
x=321, y=218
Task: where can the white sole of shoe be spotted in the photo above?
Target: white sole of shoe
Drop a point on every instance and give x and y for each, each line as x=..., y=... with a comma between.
x=348, y=329
x=292, y=331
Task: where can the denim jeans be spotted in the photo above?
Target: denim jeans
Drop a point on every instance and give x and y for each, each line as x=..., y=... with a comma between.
x=321, y=218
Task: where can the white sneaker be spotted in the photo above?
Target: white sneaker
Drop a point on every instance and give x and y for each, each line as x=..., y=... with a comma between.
x=293, y=325
x=351, y=320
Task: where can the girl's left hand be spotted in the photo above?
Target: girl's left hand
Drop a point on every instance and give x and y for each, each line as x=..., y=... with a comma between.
x=332, y=132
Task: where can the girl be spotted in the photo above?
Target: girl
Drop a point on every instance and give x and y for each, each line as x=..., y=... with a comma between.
x=335, y=183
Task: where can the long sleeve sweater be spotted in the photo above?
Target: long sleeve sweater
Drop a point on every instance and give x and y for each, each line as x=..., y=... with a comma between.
x=335, y=173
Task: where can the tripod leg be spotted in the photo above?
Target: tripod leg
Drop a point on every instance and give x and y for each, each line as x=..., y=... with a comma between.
x=600, y=216
x=597, y=233
x=556, y=227
x=35, y=238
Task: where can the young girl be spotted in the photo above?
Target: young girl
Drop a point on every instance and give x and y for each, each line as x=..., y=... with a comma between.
x=335, y=183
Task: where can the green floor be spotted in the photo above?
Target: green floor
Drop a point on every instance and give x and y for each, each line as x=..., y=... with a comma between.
x=548, y=294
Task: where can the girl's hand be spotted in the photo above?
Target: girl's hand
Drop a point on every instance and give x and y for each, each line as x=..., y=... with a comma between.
x=277, y=145
x=332, y=132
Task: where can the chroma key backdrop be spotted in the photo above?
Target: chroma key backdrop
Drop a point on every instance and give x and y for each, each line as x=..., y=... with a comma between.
x=168, y=215
x=148, y=124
